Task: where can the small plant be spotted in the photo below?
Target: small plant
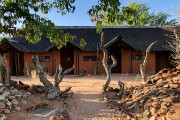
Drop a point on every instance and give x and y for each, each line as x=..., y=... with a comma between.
x=125, y=88
x=174, y=46
x=33, y=85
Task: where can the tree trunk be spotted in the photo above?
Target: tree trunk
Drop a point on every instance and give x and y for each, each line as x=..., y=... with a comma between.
x=28, y=72
x=143, y=75
x=121, y=87
x=4, y=71
x=105, y=63
x=108, y=80
x=52, y=91
x=143, y=65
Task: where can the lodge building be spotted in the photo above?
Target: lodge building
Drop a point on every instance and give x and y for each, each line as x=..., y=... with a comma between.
x=125, y=43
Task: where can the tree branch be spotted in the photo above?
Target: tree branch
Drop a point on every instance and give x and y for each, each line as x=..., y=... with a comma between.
x=60, y=77
x=105, y=52
x=57, y=74
x=114, y=62
x=147, y=53
x=143, y=65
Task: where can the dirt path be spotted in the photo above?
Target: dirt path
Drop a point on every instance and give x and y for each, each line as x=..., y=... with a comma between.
x=87, y=101
x=88, y=104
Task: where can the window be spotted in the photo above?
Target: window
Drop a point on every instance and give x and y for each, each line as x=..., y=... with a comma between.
x=137, y=57
x=44, y=58
x=89, y=58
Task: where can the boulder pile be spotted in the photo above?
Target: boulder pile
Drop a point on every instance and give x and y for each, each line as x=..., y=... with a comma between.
x=152, y=100
x=10, y=99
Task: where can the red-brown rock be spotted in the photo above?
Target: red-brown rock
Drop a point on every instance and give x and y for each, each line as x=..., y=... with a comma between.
x=156, y=105
x=170, y=71
x=53, y=118
x=153, y=110
x=176, y=73
x=166, y=75
x=162, y=111
x=163, y=70
x=178, y=67
x=176, y=79
x=174, y=86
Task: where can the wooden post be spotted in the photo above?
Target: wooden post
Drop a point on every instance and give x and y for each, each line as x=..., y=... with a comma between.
x=16, y=63
x=97, y=60
x=18, y=60
x=52, y=61
x=78, y=61
x=130, y=61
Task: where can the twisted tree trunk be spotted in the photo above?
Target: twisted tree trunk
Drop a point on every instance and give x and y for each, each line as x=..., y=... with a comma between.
x=52, y=91
x=105, y=63
x=143, y=65
x=28, y=72
x=4, y=71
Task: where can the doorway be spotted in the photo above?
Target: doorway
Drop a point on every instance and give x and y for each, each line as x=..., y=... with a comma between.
x=16, y=63
x=116, y=52
x=67, y=58
x=162, y=61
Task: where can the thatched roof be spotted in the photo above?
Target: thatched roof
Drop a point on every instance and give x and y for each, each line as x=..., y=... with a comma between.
x=136, y=37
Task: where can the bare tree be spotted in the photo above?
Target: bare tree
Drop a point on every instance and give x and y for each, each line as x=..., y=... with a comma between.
x=177, y=12
x=105, y=63
x=52, y=91
x=143, y=65
x=174, y=46
x=4, y=71
x=28, y=71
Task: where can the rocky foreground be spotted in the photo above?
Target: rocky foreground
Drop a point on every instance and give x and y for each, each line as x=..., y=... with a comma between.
x=9, y=100
x=152, y=100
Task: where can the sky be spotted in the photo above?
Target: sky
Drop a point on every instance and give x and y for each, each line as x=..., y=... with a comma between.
x=81, y=18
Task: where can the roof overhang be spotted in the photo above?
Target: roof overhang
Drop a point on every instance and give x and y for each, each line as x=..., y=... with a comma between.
x=54, y=45
x=116, y=39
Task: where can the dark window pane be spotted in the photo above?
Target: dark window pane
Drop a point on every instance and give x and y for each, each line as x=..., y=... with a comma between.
x=89, y=58
x=44, y=58
x=137, y=57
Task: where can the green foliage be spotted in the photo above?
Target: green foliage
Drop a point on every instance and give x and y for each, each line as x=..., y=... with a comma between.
x=135, y=14
x=160, y=19
x=2, y=37
x=64, y=39
x=111, y=7
x=33, y=85
x=82, y=42
x=28, y=13
x=18, y=11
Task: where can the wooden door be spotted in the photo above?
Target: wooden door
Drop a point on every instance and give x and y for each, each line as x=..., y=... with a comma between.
x=67, y=58
x=115, y=51
x=162, y=61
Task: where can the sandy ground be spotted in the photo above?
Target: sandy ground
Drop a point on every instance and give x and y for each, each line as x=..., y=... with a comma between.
x=86, y=103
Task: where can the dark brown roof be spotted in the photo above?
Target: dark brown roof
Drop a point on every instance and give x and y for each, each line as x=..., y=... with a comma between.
x=136, y=37
x=141, y=37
